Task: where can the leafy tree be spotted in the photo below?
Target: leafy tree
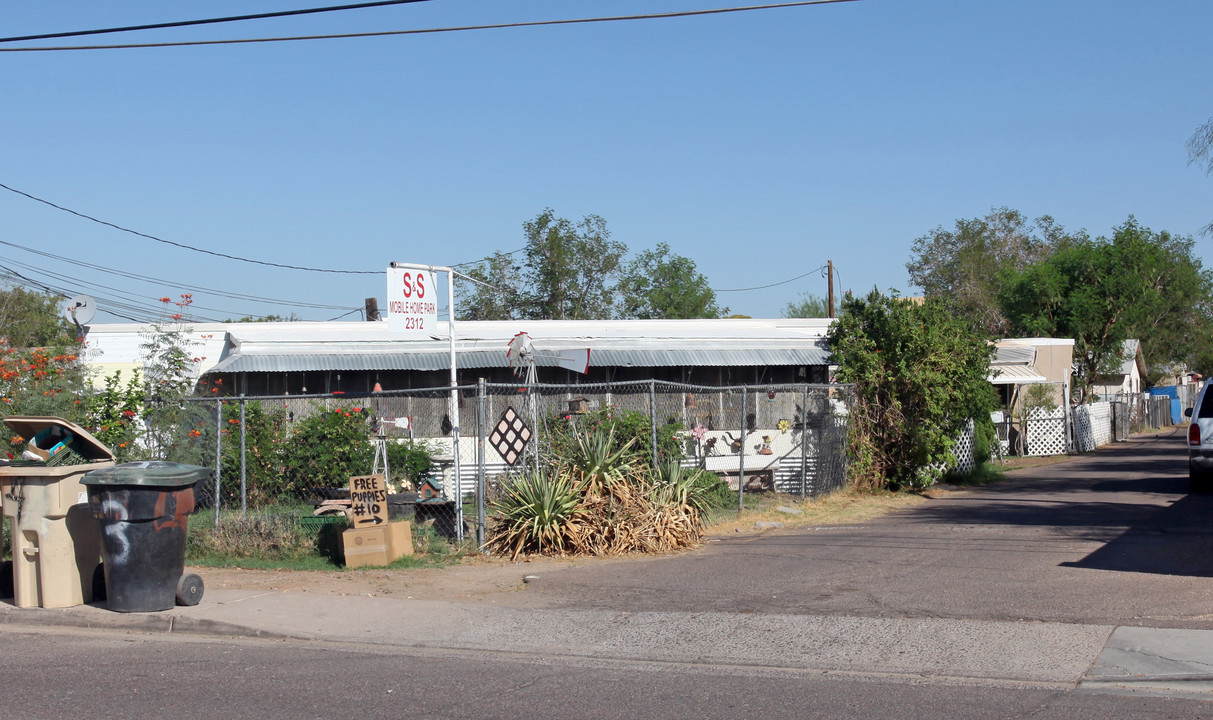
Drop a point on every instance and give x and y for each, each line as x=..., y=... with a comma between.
x=490, y=291
x=1200, y=152
x=658, y=284
x=920, y=375
x=808, y=306
x=962, y=265
x=570, y=271
x=1137, y=284
x=32, y=319
x=265, y=318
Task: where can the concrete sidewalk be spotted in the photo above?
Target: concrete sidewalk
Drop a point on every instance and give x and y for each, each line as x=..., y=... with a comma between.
x=1027, y=654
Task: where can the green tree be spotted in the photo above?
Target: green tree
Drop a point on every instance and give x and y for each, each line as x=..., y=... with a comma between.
x=570, y=272
x=808, y=306
x=920, y=374
x=33, y=319
x=1136, y=284
x=962, y=265
x=658, y=284
x=1200, y=152
x=490, y=290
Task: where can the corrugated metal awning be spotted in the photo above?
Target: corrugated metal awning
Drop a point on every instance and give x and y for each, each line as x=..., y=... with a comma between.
x=1015, y=375
x=381, y=359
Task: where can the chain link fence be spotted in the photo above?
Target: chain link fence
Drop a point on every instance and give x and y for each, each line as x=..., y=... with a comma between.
x=446, y=451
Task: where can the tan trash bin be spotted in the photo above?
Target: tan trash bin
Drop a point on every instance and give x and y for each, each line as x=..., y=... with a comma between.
x=56, y=540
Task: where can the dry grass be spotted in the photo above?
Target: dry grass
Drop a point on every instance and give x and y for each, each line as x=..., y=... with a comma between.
x=839, y=508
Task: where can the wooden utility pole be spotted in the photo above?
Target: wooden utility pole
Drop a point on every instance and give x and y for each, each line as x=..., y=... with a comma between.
x=830, y=273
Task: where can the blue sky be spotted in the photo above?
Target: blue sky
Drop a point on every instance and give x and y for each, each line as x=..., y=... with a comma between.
x=759, y=144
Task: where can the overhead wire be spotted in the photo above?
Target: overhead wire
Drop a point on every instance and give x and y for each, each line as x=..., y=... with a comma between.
x=188, y=247
x=184, y=286
x=209, y=21
x=423, y=31
x=775, y=284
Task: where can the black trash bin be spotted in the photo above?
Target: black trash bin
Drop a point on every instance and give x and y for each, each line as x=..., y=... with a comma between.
x=143, y=510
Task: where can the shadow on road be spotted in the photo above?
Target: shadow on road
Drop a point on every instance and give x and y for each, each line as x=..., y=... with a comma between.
x=1133, y=496
x=1174, y=541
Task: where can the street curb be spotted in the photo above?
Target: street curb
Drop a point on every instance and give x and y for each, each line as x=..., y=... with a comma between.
x=151, y=623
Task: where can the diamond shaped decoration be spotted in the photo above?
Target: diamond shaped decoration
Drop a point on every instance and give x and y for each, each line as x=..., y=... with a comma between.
x=510, y=436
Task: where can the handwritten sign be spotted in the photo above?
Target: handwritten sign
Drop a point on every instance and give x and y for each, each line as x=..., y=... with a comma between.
x=368, y=498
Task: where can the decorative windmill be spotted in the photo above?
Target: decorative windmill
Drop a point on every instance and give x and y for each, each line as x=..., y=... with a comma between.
x=521, y=356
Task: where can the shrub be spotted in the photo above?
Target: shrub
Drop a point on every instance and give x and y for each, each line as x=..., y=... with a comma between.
x=920, y=374
x=537, y=513
x=263, y=428
x=628, y=428
x=113, y=415
x=598, y=499
x=327, y=448
x=409, y=461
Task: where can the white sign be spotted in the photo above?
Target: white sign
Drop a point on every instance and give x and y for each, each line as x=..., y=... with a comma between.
x=412, y=302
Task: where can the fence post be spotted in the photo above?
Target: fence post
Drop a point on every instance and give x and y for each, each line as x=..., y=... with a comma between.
x=741, y=456
x=1068, y=414
x=653, y=418
x=804, y=445
x=481, y=485
x=243, y=464
x=218, y=454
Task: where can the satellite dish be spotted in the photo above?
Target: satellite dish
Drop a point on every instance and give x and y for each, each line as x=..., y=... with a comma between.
x=80, y=310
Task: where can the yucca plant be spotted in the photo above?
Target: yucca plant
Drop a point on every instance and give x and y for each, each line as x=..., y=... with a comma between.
x=677, y=485
x=537, y=512
x=597, y=462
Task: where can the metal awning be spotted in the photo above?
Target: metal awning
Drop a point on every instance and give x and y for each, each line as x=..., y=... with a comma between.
x=380, y=358
x=1014, y=375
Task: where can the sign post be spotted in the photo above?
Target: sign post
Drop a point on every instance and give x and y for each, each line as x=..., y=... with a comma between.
x=415, y=287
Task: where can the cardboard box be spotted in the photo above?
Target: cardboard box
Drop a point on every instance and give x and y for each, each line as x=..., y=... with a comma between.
x=366, y=546
x=377, y=546
x=401, y=533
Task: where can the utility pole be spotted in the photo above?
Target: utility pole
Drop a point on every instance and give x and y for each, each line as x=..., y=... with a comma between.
x=830, y=274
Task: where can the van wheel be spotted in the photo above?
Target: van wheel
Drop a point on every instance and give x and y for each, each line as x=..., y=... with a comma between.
x=1199, y=482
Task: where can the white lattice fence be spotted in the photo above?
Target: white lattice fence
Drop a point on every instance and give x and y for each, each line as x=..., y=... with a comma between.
x=966, y=458
x=1046, y=432
x=1092, y=426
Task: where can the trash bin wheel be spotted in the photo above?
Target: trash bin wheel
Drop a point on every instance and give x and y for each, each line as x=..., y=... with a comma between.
x=189, y=589
x=6, y=579
x=99, y=582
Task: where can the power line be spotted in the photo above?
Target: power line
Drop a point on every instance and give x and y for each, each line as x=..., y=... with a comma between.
x=209, y=252
x=183, y=286
x=462, y=28
x=781, y=282
x=210, y=21
x=189, y=247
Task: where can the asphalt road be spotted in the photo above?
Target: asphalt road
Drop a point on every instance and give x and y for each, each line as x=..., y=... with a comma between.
x=1109, y=538
x=67, y=676
x=1077, y=590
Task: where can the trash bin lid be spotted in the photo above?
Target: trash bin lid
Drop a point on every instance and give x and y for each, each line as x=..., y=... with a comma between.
x=90, y=447
x=150, y=473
